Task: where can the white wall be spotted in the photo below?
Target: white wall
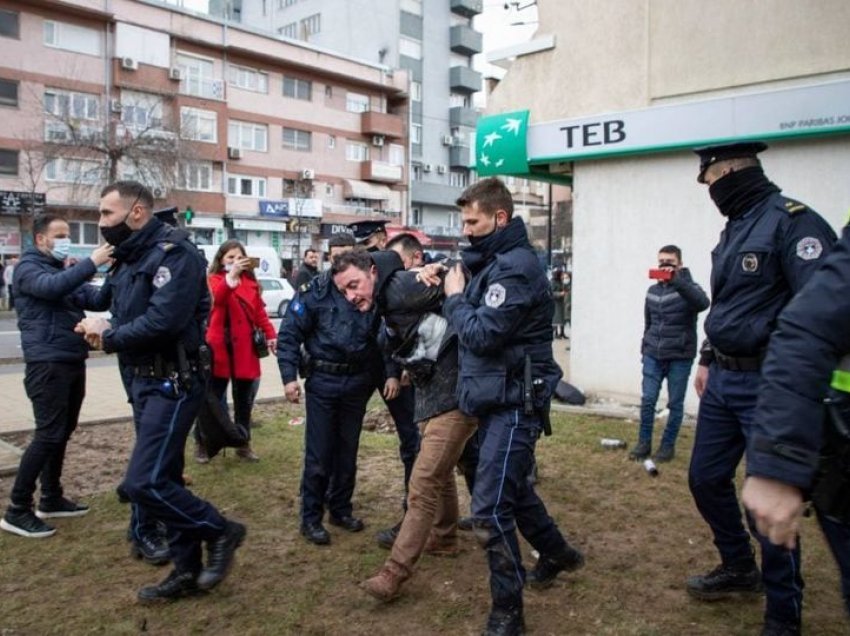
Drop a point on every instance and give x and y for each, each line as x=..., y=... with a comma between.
x=625, y=209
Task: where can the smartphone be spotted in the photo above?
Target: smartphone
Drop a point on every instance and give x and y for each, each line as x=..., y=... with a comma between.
x=661, y=274
x=255, y=262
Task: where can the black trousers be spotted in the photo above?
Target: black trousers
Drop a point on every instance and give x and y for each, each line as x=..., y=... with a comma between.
x=56, y=390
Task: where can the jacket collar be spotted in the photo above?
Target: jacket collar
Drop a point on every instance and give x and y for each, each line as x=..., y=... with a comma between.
x=512, y=236
x=133, y=248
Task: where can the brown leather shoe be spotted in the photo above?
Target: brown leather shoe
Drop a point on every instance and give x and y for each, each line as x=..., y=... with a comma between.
x=247, y=453
x=386, y=584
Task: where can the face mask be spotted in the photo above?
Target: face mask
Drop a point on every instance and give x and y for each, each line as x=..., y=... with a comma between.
x=61, y=247
x=117, y=234
x=228, y=267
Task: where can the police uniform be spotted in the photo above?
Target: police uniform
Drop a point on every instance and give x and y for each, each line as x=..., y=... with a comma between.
x=766, y=253
x=810, y=346
x=160, y=299
x=504, y=315
x=341, y=353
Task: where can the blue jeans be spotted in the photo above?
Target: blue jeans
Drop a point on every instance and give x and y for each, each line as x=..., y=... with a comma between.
x=654, y=372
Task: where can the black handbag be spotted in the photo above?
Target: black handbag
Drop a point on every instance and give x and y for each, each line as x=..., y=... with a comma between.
x=261, y=345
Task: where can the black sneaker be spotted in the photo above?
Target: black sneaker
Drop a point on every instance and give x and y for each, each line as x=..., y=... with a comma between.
x=24, y=523
x=504, y=622
x=640, y=451
x=547, y=568
x=386, y=537
x=153, y=548
x=735, y=579
x=777, y=628
x=665, y=453
x=60, y=508
x=352, y=524
x=175, y=586
x=220, y=554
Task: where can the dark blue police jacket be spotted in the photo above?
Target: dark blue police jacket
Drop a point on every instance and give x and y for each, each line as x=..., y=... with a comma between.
x=504, y=313
x=159, y=296
x=330, y=328
x=49, y=300
x=813, y=334
x=763, y=258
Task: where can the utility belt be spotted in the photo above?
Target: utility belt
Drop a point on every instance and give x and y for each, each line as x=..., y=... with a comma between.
x=185, y=367
x=337, y=368
x=162, y=369
x=831, y=494
x=738, y=363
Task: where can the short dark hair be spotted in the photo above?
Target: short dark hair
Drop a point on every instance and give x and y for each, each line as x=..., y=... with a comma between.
x=341, y=239
x=130, y=190
x=42, y=222
x=672, y=249
x=491, y=195
x=309, y=250
x=406, y=241
x=360, y=259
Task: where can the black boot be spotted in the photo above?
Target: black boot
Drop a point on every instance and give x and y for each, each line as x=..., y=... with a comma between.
x=386, y=537
x=741, y=578
x=777, y=628
x=548, y=567
x=153, y=548
x=176, y=585
x=505, y=622
x=220, y=555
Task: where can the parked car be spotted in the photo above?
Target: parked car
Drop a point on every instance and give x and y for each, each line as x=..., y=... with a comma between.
x=277, y=292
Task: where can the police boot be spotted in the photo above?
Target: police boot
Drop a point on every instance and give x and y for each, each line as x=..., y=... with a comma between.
x=740, y=578
x=386, y=584
x=547, y=568
x=640, y=451
x=386, y=537
x=505, y=622
x=220, y=554
x=176, y=585
x=773, y=627
x=153, y=548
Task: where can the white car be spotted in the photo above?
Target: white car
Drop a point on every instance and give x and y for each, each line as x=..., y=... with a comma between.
x=277, y=292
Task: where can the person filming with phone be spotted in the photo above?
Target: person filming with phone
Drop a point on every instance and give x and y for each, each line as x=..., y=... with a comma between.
x=668, y=348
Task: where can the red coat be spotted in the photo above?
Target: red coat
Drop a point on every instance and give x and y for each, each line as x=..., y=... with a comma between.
x=245, y=308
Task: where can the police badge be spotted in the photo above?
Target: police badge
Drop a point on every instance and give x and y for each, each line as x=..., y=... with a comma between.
x=495, y=295
x=750, y=263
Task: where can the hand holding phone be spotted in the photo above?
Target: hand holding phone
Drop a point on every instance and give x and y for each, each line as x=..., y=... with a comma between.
x=661, y=274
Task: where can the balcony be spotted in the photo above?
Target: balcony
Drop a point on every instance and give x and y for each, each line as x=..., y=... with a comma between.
x=464, y=40
x=381, y=171
x=374, y=123
x=460, y=116
x=434, y=193
x=466, y=8
x=463, y=79
x=459, y=157
x=440, y=230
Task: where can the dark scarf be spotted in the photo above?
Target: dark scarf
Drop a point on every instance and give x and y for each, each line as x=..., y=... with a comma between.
x=513, y=235
x=738, y=191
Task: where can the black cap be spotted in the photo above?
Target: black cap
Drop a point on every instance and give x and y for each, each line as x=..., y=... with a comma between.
x=166, y=215
x=712, y=154
x=364, y=229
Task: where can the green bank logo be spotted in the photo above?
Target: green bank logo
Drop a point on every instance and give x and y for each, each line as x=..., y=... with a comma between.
x=500, y=144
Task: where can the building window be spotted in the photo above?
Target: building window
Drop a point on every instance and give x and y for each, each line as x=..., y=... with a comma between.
x=355, y=151
x=141, y=111
x=416, y=133
x=289, y=31
x=285, y=3
x=331, y=142
x=8, y=92
x=411, y=6
x=410, y=48
x=295, y=139
x=198, y=125
x=356, y=102
x=311, y=24
x=416, y=216
x=73, y=171
x=198, y=77
x=196, y=176
x=246, y=186
x=297, y=88
x=248, y=78
x=417, y=173
x=84, y=233
x=416, y=91
x=67, y=105
x=8, y=162
x=456, y=100
x=248, y=136
x=329, y=189
x=454, y=219
x=9, y=25
x=71, y=37
x=396, y=155
x=458, y=178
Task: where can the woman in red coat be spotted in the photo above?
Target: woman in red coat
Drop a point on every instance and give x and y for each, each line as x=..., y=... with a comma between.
x=237, y=308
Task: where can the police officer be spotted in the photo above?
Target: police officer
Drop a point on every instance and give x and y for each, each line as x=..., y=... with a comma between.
x=371, y=235
x=769, y=248
x=810, y=345
x=507, y=376
x=340, y=355
x=160, y=299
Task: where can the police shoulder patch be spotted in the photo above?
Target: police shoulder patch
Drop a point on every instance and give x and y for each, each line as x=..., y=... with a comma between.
x=297, y=307
x=495, y=295
x=793, y=207
x=162, y=277
x=809, y=248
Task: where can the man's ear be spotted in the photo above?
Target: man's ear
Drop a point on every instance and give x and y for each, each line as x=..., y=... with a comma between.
x=501, y=218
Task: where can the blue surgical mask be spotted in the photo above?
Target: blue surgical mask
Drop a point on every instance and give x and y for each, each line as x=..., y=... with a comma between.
x=61, y=248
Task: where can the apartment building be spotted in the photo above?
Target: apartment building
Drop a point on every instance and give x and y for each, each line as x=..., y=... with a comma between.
x=434, y=41
x=273, y=142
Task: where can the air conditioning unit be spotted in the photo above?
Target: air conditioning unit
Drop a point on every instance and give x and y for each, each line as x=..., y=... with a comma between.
x=174, y=73
x=426, y=167
x=129, y=64
x=234, y=153
x=159, y=192
x=308, y=173
x=377, y=140
x=115, y=105
x=448, y=140
x=441, y=170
